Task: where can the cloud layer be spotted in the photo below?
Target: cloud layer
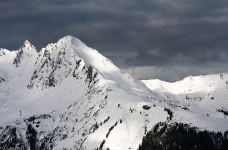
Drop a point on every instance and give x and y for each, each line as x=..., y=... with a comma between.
x=170, y=39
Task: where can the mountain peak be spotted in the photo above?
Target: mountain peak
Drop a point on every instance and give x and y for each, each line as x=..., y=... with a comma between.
x=27, y=46
x=72, y=40
x=27, y=42
x=90, y=57
x=27, y=50
x=93, y=58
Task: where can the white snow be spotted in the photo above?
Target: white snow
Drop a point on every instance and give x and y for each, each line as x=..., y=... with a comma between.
x=55, y=82
x=202, y=95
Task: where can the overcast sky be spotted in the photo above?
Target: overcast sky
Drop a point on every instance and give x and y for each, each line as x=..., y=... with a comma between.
x=163, y=39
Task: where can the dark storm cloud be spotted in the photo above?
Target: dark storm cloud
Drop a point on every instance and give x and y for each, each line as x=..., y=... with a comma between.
x=160, y=34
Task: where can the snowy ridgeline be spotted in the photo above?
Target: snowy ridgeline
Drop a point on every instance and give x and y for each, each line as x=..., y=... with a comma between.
x=70, y=96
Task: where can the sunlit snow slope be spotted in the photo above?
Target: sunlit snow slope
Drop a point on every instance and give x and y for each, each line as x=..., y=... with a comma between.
x=204, y=99
x=70, y=96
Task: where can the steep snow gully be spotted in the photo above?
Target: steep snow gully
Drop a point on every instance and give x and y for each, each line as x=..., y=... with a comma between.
x=69, y=96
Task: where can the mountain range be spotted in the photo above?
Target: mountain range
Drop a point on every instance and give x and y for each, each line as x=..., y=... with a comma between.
x=69, y=96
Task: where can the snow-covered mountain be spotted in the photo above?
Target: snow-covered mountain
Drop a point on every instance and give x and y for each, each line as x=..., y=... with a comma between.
x=69, y=96
x=204, y=99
